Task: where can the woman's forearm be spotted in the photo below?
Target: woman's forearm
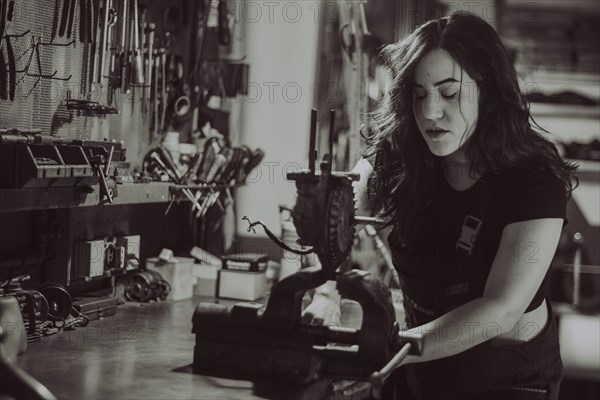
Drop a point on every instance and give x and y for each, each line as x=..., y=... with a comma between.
x=462, y=328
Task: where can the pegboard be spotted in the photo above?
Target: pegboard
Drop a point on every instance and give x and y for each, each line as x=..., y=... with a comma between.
x=39, y=102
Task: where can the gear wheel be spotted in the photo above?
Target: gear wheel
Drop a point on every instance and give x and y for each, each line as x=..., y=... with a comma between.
x=339, y=229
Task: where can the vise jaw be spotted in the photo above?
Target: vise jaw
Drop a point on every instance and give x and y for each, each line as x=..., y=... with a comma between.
x=248, y=340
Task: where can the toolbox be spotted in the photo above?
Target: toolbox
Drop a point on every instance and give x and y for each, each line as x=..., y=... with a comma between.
x=249, y=262
x=41, y=161
x=96, y=307
x=31, y=166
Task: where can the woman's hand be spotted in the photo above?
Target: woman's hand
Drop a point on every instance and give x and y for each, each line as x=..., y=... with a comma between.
x=322, y=311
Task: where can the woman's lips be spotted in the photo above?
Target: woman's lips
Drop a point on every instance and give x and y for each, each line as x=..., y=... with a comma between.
x=436, y=133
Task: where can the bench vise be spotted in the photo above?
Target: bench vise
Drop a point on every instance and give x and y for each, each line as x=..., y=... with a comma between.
x=249, y=340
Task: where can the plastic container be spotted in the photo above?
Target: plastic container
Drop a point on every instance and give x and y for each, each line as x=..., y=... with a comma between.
x=178, y=272
x=242, y=285
x=206, y=279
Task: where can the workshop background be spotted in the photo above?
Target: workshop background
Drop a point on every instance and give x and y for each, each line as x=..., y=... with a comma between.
x=137, y=134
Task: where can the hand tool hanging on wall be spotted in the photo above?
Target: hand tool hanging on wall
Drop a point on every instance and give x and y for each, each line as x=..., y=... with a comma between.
x=3, y=63
x=64, y=19
x=103, y=39
x=113, y=76
x=163, y=88
x=55, y=19
x=156, y=68
x=83, y=38
x=171, y=25
x=3, y=9
x=71, y=18
x=178, y=90
x=137, y=65
x=142, y=32
x=148, y=64
x=116, y=49
x=94, y=11
x=8, y=8
x=113, y=17
x=123, y=59
x=197, y=34
x=89, y=24
x=142, y=25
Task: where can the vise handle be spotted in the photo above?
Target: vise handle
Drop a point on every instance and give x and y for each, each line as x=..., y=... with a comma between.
x=414, y=343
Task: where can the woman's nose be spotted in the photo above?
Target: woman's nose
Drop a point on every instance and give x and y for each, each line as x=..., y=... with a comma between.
x=432, y=107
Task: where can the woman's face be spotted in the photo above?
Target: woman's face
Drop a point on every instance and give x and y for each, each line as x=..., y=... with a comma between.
x=445, y=103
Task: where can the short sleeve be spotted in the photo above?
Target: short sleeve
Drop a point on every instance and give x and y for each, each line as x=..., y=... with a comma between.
x=371, y=158
x=535, y=194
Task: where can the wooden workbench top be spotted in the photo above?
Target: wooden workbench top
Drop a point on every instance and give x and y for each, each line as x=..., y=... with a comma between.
x=144, y=351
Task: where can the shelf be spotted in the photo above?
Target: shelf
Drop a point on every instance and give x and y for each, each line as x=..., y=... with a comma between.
x=587, y=165
x=67, y=197
x=564, y=111
x=585, y=7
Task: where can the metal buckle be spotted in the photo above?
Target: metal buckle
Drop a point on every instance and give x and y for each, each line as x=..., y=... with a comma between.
x=469, y=233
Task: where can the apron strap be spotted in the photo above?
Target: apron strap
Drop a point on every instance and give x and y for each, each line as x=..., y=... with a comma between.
x=473, y=222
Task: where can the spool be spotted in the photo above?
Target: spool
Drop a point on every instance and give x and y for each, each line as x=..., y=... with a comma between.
x=59, y=300
x=145, y=286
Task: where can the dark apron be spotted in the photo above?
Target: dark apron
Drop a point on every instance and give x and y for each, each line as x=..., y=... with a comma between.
x=436, y=280
x=493, y=370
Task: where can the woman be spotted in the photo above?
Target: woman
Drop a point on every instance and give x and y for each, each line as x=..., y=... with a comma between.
x=477, y=201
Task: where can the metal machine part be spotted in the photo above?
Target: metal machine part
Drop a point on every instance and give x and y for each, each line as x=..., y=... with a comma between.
x=34, y=306
x=16, y=383
x=146, y=286
x=250, y=340
x=59, y=301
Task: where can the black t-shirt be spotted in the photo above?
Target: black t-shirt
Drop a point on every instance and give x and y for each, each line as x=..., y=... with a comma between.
x=519, y=195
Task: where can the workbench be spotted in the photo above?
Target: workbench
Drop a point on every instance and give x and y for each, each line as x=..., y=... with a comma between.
x=143, y=351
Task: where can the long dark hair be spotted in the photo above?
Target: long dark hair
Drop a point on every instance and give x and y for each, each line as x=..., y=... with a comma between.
x=402, y=183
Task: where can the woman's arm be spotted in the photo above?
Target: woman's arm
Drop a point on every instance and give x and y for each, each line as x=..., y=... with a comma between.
x=364, y=169
x=522, y=260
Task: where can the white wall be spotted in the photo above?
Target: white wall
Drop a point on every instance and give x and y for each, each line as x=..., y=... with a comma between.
x=281, y=47
x=486, y=9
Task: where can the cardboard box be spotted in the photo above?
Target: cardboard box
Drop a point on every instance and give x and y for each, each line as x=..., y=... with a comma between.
x=178, y=272
x=242, y=285
x=88, y=260
x=206, y=279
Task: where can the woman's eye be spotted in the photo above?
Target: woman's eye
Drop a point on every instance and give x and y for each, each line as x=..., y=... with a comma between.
x=419, y=94
x=449, y=92
x=449, y=96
